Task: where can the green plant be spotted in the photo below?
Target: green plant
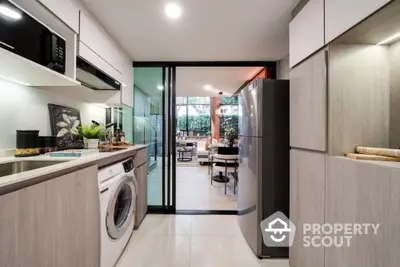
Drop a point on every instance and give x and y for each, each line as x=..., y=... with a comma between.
x=231, y=134
x=91, y=132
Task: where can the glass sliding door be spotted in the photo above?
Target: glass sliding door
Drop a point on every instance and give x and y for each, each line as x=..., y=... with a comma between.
x=154, y=125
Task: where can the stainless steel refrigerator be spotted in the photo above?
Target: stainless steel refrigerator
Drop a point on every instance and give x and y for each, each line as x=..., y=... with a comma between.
x=264, y=159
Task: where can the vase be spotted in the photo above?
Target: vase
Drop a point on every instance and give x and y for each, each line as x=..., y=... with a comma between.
x=93, y=143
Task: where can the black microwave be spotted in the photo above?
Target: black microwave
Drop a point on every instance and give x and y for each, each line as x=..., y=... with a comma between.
x=25, y=36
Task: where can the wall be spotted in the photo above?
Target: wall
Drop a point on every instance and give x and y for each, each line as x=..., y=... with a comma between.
x=359, y=88
x=283, y=68
x=25, y=108
x=394, y=53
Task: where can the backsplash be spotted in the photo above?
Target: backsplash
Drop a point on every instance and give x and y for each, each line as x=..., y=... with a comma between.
x=25, y=108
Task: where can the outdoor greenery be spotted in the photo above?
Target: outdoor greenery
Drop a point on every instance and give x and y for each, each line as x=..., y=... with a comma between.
x=229, y=100
x=198, y=124
x=231, y=134
x=226, y=121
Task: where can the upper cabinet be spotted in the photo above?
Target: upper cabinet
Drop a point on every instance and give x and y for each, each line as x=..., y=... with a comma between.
x=68, y=12
x=308, y=104
x=97, y=39
x=307, y=31
x=341, y=15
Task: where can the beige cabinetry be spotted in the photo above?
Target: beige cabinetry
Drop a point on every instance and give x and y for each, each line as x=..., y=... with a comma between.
x=341, y=15
x=54, y=223
x=307, y=203
x=306, y=31
x=140, y=161
x=361, y=193
x=308, y=104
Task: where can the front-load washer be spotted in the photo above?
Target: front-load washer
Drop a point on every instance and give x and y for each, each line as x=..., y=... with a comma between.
x=118, y=197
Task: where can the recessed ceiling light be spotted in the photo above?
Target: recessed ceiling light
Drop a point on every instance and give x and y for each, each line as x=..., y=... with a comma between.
x=6, y=11
x=160, y=87
x=390, y=39
x=173, y=10
x=207, y=86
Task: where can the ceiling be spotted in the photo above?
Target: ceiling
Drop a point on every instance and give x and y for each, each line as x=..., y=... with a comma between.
x=219, y=30
x=190, y=81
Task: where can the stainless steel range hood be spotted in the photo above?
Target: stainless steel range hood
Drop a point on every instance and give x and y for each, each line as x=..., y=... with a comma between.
x=93, y=78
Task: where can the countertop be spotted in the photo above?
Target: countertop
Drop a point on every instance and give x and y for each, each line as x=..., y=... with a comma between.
x=21, y=180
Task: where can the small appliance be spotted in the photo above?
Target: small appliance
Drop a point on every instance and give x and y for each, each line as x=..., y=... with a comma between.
x=93, y=78
x=23, y=35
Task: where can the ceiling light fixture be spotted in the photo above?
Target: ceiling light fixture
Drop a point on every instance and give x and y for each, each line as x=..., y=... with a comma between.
x=391, y=38
x=160, y=87
x=207, y=86
x=6, y=11
x=173, y=10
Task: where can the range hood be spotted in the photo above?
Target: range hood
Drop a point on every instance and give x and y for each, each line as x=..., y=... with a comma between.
x=94, y=78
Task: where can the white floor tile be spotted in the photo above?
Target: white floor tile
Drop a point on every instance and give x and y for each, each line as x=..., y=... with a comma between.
x=221, y=251
x=195, y=192
x=274, y=263
x=157, y=251
x=165, y=225
x=214, y=225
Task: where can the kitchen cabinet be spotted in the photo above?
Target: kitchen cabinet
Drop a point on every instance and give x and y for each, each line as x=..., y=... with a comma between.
x=96, y=38
x=341, y=15
x=363, y=192
x=140, y=161
x=141, y=157
x=306, y=31
x=308, y=104
x=54, y=223
x=141, y=176
x=307, y=204
x=68, y=12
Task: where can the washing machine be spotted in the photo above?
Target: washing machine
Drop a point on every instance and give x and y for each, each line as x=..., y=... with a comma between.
x=118, y=197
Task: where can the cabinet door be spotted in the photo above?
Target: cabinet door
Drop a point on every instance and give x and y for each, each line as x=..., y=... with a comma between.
x=127, y=90
x=364, y=193
x=341, y=15
x=307, y=204
x=307, y=31
x=141, y=208
x=97, y=39
x=54, y=223
x=65, y=10
x=308, y=104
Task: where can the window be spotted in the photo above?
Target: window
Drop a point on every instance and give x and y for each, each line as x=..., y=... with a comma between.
x=193, y=116
x=229, y=114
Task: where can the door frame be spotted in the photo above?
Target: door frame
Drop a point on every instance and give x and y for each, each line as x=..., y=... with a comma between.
x=169, y=137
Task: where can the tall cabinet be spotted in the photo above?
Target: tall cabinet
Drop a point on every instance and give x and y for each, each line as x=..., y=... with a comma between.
x=339, y=98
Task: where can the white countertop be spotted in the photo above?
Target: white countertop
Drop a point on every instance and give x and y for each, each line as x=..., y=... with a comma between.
x=66, y=163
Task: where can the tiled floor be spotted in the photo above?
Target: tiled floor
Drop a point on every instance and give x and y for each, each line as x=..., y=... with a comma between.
x=191, y=241
x=193, y=190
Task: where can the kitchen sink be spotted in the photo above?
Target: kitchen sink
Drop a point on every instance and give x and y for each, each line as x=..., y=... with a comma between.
x=23, y=166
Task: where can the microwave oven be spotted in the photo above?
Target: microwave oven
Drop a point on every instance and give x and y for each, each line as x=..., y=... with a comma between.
x=23, y=35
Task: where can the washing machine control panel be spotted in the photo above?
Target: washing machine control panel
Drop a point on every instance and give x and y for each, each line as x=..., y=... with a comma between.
x=128, y=165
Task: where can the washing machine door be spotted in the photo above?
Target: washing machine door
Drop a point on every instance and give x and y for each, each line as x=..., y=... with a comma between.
x=121, y=207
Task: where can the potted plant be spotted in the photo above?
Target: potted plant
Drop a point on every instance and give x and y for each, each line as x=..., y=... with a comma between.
x=92, y=133
x=231, y=134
